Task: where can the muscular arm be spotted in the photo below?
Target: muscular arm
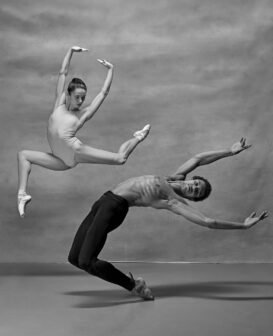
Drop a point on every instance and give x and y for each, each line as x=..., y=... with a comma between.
x=205, y=158
x=60, y=95
x=90, y=110
x=196, y=217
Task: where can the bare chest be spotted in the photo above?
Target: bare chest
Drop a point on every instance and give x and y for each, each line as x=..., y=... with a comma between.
x=141, y=191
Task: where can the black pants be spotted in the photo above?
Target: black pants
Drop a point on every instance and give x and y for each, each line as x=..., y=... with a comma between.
x=105, y=216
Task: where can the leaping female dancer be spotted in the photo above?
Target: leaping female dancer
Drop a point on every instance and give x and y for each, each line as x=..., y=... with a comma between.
x=67, y=118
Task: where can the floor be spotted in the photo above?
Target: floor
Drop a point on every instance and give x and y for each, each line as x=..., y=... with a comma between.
x=191, y=299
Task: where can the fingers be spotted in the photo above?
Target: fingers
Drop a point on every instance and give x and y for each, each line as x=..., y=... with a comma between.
x=263, y=215
x=79, y=49
x=244, y=144
x=105, y=63
x=253, y=214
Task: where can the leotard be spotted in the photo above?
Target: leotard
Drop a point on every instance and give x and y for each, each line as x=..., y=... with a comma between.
x=62, y=127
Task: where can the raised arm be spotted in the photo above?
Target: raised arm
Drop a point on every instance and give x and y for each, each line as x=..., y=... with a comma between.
x=205, y=158
x=90, y=110
x=196, y=217
x=60, y=94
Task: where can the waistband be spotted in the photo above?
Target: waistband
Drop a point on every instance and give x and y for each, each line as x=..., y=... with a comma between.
x=118, y=198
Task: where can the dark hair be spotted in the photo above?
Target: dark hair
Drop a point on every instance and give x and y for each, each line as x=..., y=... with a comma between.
x=75, y=84
x=207, y=190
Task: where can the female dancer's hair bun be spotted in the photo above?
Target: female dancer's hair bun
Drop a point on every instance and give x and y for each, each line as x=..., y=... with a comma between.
x=75, y=84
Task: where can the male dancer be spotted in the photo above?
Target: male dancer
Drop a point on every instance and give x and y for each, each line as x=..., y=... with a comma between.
x=148, y=191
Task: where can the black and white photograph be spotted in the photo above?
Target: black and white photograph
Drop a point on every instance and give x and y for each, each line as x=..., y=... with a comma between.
x=136, y=167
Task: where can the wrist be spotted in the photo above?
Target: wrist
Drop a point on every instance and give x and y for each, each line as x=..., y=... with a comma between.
x=231, y=152
x=211, y=223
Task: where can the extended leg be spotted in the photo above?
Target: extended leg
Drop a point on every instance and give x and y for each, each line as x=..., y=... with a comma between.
x=128, y=147
x=25, y=159
x=87, y=154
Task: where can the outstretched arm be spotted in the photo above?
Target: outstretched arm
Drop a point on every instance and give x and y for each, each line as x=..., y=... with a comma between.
x=196, y=217
x=205, y=158
x=90, y=110
x=60, y=95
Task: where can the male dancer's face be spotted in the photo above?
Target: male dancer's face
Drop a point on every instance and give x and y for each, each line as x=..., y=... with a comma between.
x=192, y=188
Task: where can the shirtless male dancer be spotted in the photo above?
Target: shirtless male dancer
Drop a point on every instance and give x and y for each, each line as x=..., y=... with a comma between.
x=148, y=191
x=67, y=118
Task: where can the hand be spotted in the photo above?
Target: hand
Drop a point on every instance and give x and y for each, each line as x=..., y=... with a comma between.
x=107, y=64
x=78, y=49
x=253, y=219
x=239, y=146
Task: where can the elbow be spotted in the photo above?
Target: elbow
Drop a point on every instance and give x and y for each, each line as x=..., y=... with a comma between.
x=63, y=72
x=198, y=156
x=104, y=93
x=210, y=223
x=197, y=159
x=121, y=159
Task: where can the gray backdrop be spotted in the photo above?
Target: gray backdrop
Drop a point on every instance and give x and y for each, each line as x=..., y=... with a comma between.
x=200, y=71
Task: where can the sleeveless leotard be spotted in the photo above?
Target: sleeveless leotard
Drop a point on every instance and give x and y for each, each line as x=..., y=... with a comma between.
x=62, y=127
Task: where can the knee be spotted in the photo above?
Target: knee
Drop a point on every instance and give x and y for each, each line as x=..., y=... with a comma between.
x=88, y=266
x=22, y=155
x=72, y=260
x=78, y=147
x=121, y=159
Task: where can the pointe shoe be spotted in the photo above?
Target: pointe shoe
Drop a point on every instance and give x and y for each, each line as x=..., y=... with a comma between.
x=141, y=135
x=23, y=200
x=141, y=289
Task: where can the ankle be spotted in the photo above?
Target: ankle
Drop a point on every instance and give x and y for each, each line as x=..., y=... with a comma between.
x=21, y=192
x=133, y=281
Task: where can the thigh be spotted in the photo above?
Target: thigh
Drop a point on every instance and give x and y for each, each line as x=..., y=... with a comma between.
x=87, y=154
x=81, y=232
x=96, y=234
x=108, y=217
x=46, y=160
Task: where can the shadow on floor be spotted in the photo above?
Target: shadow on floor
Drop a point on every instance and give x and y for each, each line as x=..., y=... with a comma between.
x=229, y=291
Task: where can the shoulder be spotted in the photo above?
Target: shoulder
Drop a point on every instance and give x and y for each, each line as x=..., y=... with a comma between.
x=59, y=109
x=169, y=192
x=163, y=188
x=60, y=100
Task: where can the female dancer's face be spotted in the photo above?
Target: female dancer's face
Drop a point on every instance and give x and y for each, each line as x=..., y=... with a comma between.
x=77, y=98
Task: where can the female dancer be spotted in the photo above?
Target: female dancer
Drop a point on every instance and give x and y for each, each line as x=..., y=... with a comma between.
x=67, y=118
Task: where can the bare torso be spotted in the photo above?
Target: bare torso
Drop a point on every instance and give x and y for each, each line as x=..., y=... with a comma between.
x=144, y=190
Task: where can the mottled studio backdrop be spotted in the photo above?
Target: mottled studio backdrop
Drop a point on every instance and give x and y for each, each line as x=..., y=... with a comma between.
x=200, y=71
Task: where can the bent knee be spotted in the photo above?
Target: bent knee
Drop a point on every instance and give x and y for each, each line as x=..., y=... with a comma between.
x=121, y=159
x=78, y=147
x=83, y=264
x=22, y=155
x=88, y=266
x=73, y=261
